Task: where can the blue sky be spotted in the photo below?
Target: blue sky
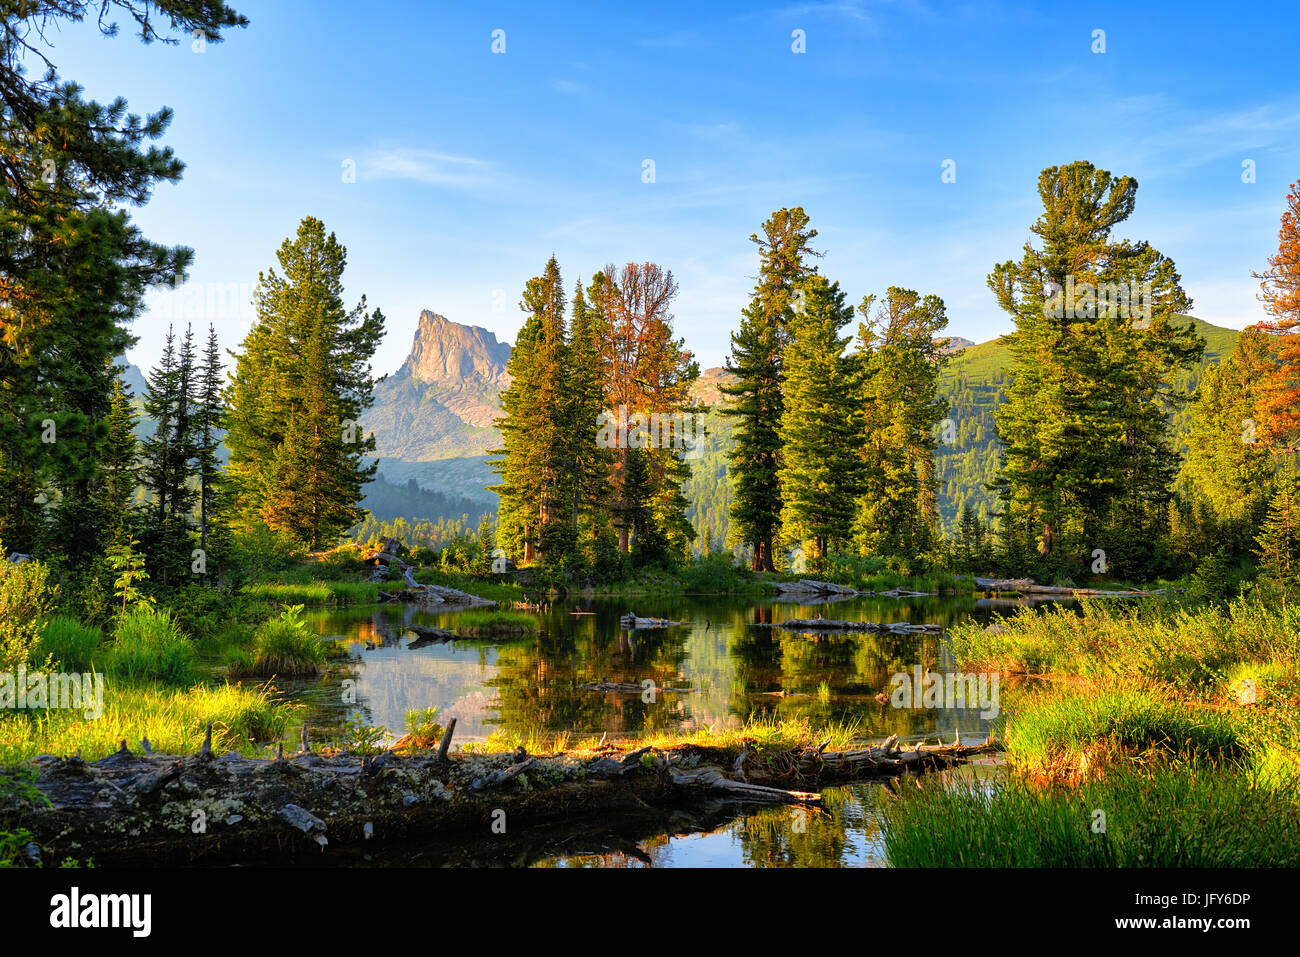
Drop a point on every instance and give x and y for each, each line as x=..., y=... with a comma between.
x=473, y=167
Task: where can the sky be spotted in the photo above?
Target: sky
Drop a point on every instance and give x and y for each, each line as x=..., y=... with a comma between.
x=472, y=167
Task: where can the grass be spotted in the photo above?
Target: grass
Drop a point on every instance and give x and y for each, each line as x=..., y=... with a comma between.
x=503, y=590
x=148, y=646
x=281, y=646
x=1060, y=735
x=66, y=645
x=174, y=721
x=314, y=592
x=1161, y=816
x=760, y=735
x=1188, y=648
x=1142, y=714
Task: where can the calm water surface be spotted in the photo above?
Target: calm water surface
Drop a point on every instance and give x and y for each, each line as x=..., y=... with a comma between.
x=726, y=652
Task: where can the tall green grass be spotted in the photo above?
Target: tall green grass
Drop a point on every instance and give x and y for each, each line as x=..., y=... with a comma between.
x=66, y=644
x=148, y=646
x=286, y=646
x=174, y=721
x=1188, y=648
x=1065, y=733
x=1154, y=817
x=315, y=592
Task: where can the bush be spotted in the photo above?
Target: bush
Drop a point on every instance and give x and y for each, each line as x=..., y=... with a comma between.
x=287, y=646
x=148, y=646
x=66, y=643
x=25, y=602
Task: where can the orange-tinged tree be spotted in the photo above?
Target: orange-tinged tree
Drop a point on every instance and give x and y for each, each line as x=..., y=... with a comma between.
x=1279, y=389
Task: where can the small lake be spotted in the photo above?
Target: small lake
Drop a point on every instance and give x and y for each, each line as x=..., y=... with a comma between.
x=726, y=651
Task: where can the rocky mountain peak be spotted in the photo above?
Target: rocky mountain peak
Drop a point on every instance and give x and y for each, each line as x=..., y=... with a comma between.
x=454, y=355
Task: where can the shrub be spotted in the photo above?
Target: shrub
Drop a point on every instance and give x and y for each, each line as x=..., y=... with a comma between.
x=148, y=646
x=67, y=643
x=25, y=601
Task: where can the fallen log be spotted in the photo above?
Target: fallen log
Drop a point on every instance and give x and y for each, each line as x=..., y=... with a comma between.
x=138, y=809
x=807, y=586
x=634, y=622
x=713, y=780
x=627, y=687
x=1027, y=586
x=827, y=624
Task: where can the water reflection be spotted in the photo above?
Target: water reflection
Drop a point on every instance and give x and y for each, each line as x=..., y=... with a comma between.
x=727, y=651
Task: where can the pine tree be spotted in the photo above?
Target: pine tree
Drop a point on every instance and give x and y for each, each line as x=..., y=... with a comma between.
x=648, y=377
x=1227, y=471
x=168, y=461
x=536, y=463
x=1085, y=424
x=121, y=470
x=75, y=268
x=208, y=416
x=757, y=398
x=301, y=383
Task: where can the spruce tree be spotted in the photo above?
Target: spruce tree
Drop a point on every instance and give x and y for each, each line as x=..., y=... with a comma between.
x=818, y=477
x=301, y=383
x=757, y=398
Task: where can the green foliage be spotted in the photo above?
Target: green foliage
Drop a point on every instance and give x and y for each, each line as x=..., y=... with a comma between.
x=148, y=647
x=25, y=602
x=128, y=565
x=1279, y=539
x=757, y=398
x=423, y=725
x=1164, y=816
x=819, y=467
x=298, y=458
x=287, y=646
x=66, y=644
x=1088, y=458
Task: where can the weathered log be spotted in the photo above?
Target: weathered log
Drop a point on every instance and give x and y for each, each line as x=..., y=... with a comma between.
x=807, y=586
x=124, y=809
x=626, y=687
x=633, y=622
x=827, y=624
x=1027, y=586
x=713, y=780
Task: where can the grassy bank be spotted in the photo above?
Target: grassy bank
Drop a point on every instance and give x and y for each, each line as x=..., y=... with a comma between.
x=1181, y=724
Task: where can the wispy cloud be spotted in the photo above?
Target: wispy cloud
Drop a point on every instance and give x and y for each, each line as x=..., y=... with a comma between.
x=569, y=87
x=425, y=166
